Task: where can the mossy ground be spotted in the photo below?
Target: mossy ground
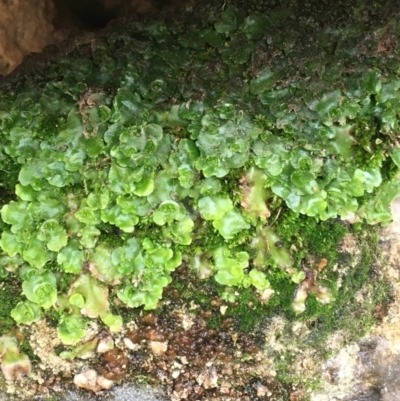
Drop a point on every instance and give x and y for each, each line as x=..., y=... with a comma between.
x=9, y=297
x=313, y=240
x=251, y=317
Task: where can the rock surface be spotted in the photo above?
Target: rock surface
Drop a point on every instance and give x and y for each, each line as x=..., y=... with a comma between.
x=122, y=393
x=368, y=371
x=25, y=27
x=28, y=26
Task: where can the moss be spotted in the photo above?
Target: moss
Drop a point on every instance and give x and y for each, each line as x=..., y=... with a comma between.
x=292, y=381
x=376, y=288
x=312, y=239
x=119, y=309
x=53, y=317
x=352, y=313
x=318, y=239
x=26, y=348
x=247, y=311
x=185, y=282
x=52, y=398
x=9, y=297
x=355, y=317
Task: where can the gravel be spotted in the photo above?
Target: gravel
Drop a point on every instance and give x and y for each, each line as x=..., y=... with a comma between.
x=119, y=393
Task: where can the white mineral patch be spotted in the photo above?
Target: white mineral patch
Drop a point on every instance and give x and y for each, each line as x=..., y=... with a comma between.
x=158, y=347
x=105, y=344
x=91, y=380
x=339, y=375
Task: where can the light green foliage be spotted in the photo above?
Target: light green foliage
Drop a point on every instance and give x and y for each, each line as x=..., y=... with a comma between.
x=102, y=264
x=71, y=329
x=71, y=258
x=53, y=235
x=151, y=273
x=230, y=267
x=280, y=255
x=82, y=351
x=26, y=312
x=214, y=208
x=89, y=295
x=41, y=289
x=35, y=253
x=395, y=155
x=136, y=159
x=230, y=224
x=114, y=322
x=16, y=214
x=258, y=279
x=255, y=194
x=180, y=231
x=168, y=212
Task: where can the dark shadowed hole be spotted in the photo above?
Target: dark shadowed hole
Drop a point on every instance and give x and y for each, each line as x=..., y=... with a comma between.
x=92, y=15
x=89, y=15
